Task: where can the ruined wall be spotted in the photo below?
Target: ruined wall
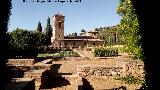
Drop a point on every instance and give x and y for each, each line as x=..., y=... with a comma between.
x=123, y=69
x=21, y=62
x=87, y=71
x=134, y=68
x=20, y=84
x=73, y=58
x=40, y=77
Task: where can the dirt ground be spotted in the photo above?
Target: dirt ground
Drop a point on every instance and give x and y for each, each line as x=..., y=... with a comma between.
x=70, y=67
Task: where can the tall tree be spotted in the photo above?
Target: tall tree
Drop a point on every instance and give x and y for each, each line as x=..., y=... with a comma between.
x=4, y=18
x=22, y=43
x=130, y=27
x=74, y=34
x=48, y=32
x=110, y=35
x=82, y=32
x=39, y=27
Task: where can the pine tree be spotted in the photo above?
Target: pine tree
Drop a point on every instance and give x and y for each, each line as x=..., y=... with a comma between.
x=39, y=27
x=48, y=32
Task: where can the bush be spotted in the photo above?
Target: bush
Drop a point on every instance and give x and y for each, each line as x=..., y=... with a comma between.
x=105, y=52
x=131, y=79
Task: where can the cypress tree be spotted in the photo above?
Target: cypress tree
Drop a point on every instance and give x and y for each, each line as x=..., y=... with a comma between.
x=48, y=32
x=39, y=27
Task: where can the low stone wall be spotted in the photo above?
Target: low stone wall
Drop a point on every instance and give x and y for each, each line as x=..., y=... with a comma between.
x=40, y=77
x=79, y=83
x=87, y=52
x=71, y=58
x=21, y=62
x=132, y=68
x=20, y=84
x=46, y=61
x=87, y=71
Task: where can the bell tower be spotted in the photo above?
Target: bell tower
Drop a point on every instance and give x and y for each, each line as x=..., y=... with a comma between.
x=57, y=38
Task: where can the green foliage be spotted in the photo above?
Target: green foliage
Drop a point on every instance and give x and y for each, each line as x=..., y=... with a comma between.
x=130, y=79
x=67, y=54
x=45, y=55
x=39, y=27
x=129, y=25
x=110, y=35
x=41, y=41
x=48, y=32
x=74, y=34
x=105, y=52
x=25, y=43
x=83, y=31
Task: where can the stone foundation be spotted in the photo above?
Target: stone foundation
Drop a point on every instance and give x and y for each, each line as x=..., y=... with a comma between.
x=69, y=58
x=21, y=62
x=87, y=71
x=122, y=69
x=21, y=84
x=133, y=68
x=40, y=77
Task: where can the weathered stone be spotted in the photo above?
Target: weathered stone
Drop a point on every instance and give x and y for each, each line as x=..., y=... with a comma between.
x=21, y=62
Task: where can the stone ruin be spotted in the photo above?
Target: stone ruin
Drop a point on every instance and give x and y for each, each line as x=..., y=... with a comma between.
x=37, y=76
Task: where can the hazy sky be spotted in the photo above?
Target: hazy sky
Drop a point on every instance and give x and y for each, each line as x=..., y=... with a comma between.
x=87, y=14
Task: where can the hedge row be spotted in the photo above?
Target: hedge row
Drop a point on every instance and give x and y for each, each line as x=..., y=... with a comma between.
x=105, y=52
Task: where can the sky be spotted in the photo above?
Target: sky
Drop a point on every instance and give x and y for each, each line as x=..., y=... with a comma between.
x=87, y=14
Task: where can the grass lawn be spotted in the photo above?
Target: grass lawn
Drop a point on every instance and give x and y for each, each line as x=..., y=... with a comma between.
x=45, y=55
x=60, y=54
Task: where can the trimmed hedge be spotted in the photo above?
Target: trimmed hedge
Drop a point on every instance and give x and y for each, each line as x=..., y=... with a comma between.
x=105, y=52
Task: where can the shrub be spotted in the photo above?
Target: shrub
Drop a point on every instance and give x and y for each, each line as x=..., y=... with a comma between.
x=105, y=52
x=131, y=79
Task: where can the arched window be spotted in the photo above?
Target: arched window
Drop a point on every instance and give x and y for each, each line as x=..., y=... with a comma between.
x=59, y=24
x=65, y=44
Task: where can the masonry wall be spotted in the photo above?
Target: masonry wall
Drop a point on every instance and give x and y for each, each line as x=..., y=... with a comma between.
x=70, y=44
x=81, y=44
x=40, y=76
x=123, y=69
x=21, y=62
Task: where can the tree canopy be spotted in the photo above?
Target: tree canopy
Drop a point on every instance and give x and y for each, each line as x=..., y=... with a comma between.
x=25, y=43
x=110, y=35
